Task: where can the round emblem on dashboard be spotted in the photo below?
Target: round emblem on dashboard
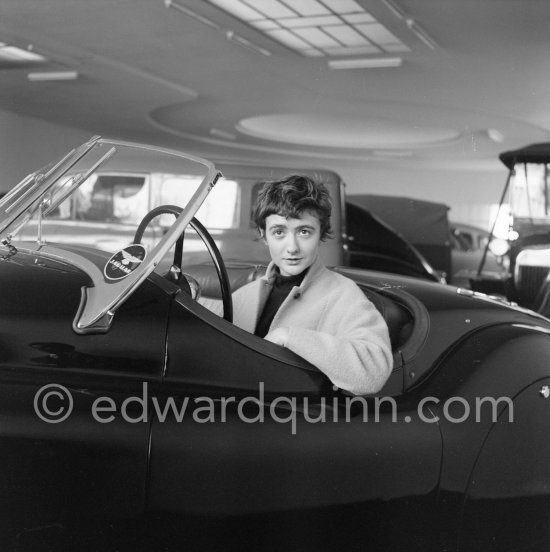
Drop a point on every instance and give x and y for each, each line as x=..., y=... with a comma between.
x=124, y=262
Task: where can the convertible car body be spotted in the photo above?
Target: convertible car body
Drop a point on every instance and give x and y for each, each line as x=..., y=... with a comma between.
x=133, y=418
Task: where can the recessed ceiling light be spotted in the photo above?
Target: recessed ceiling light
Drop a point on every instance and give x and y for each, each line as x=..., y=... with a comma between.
x=365, y=63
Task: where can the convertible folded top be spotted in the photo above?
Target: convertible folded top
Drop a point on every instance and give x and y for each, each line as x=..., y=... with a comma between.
x=534, y=153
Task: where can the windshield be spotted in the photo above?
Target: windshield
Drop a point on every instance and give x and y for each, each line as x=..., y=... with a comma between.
x=108, y=183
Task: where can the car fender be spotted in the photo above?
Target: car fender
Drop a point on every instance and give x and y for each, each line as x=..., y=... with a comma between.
x=470, y=392
x=508, y=495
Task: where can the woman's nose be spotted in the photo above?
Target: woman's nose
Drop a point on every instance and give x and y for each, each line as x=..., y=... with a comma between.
x=292, y=244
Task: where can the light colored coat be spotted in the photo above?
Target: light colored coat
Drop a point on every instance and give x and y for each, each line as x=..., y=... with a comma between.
x=331, y=324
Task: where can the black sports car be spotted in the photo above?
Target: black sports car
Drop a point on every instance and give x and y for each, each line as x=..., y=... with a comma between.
x=132, y=417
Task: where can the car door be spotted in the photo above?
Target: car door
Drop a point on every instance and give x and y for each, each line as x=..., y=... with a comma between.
x=252, y=443
x=73, y=435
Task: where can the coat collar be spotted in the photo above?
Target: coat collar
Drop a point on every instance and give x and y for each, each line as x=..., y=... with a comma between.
x=316, y=268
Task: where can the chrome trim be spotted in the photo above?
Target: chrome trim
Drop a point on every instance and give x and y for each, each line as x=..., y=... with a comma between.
x=79, y=181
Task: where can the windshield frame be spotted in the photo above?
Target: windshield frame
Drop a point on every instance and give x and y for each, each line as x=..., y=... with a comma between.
x=100, y=299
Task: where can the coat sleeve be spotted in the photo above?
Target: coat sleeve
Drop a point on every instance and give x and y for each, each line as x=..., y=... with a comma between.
x=352, y=345
x=215, y=305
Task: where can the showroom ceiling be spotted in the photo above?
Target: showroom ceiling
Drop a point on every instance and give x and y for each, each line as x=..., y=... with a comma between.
x=426, y=83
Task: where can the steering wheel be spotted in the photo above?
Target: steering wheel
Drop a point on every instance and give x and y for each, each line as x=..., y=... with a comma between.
x=178, y=253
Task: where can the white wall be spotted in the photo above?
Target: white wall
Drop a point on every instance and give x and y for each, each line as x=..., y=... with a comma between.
x=27, y=144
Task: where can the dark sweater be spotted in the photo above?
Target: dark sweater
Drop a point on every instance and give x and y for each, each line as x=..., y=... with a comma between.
x=282, y=286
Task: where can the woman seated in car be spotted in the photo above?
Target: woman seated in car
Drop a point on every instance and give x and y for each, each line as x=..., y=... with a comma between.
x=299, y=304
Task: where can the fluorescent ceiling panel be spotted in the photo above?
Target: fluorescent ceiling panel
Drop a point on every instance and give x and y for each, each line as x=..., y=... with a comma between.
x=316, y=27
x=378, y=34
x=346, y=35
x=53, y=76
x=307, y=8
x=343, y=6
x=310, y=21
x=366, y=63
x=238, y=9
x=289, y=39
x=317, y=37
x=271, y=8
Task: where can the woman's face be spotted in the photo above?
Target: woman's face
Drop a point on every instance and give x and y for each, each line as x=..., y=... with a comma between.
x=293, y=242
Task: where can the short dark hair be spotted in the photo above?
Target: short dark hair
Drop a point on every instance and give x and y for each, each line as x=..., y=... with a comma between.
x=290, y=197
